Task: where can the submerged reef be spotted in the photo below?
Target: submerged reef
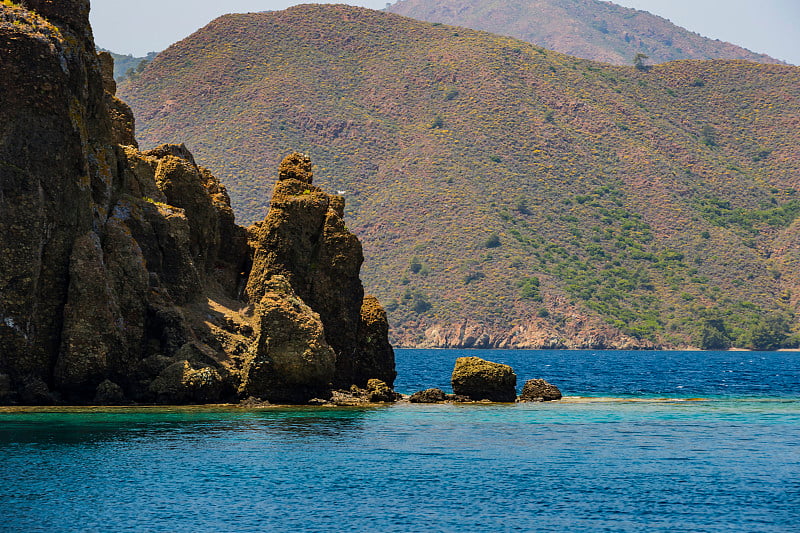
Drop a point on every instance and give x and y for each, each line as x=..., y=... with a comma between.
x=123, y=276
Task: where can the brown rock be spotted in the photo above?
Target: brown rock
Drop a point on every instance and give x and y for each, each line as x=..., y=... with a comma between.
x=379, y=392
x=73, y=13
x=152, y=366
x=376, y=391
x=458, y=398
x=184, y=382
x=290, y=362
x=122, y=121
x=296, y=166
x=479, y=379
x=91, y=322
x=109, y=393
x=538, y=390
x=428, y=396
x=304, y=239
x=34, y=391
x=374, y=357
x=45, y=199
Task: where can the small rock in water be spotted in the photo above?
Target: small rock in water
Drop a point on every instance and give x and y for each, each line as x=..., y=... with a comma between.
x=458, y=398
x=428, y=396
x=538, y=390
x=318, y=401
x=253, y=402
x=379, y=392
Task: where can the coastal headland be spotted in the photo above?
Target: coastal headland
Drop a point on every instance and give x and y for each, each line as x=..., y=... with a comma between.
x=124, y=277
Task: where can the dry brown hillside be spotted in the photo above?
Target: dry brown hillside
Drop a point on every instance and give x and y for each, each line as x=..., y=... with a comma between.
x=508, y=195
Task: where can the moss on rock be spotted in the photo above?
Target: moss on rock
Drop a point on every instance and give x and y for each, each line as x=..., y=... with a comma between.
x=484, y=380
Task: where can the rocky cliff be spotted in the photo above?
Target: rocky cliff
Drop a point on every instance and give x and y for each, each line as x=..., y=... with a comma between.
x=123, y=276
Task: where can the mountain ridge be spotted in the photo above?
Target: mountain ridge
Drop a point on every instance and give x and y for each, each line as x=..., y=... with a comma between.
x=591, y=29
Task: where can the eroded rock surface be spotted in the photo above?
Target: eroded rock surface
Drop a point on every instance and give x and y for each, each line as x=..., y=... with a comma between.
x=484, y=380
x=123, y=276
x=304, y=239
x=375, y=391
x=428, y=396
x=291, y=360
x=538, y=390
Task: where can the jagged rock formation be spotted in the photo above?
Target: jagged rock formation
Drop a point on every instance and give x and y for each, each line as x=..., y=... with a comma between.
x=375, y=391
x=123, y=274
x=304, y=239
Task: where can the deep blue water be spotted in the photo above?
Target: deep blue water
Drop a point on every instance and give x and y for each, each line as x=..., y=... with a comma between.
x=620, y=373
x=620, y=458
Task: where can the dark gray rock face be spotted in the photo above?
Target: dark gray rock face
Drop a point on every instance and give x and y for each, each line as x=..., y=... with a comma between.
x=484, y=380
x=109, y=393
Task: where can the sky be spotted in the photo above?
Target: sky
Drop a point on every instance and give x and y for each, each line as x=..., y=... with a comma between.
x=141, y=26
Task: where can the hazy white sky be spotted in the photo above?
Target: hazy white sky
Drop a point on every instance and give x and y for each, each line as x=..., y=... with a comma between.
x=765, y=26
x=137, y=27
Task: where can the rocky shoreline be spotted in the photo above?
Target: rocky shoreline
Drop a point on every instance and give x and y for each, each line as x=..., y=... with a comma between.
x=474, y=381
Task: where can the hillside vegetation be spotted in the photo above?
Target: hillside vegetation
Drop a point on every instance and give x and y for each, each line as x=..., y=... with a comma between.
x=508, y=195
x=592, y=29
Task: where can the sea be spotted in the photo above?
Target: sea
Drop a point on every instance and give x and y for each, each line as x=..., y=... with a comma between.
x=642, y=441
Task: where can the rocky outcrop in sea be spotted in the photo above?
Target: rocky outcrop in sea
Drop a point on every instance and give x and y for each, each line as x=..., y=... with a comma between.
x=123, y=276
x=478, y=379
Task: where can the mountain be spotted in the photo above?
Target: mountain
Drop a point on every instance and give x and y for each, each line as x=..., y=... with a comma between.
x=508, y=195
x=592, y=29
x=123, y=277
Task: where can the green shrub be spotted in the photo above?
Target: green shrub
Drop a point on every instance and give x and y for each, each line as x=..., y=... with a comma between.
x=473, y=276
x=420, y=303
x=529, y=289
x=450, y=94
x=493, y=241
x=708, y=135
x=415, y=265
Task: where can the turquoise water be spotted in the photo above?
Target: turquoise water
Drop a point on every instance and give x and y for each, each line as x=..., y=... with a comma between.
x=612, y=457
